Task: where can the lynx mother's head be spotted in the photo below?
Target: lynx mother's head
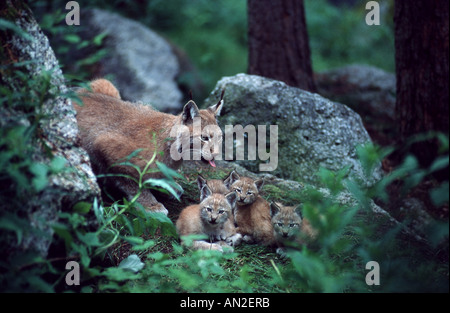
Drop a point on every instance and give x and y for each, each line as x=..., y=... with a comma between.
x=197, y=136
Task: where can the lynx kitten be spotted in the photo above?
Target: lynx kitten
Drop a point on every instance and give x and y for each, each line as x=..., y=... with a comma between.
x=222, y=187
x=216, y=185
x=288, y=225
x=252, y=213
x=112, y=129
x=209, y=218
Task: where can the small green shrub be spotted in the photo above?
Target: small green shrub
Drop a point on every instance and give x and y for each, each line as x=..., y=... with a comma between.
x=340, y=36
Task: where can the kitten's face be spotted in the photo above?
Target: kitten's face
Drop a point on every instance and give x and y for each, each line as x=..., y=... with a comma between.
x=286, y=221
x=215, y=210
x=246, y=190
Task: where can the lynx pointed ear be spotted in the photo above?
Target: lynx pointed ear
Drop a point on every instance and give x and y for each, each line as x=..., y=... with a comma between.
x=190, y=111
x=259, y=183
x=231, y=178
x=231, y=198
x=274, y=209
x=205, y=193
x=298, y=210
x=201, y=181
x=217, y=108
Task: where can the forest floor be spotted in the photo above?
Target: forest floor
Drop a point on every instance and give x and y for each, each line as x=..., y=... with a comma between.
x=382, y=133
x=262, y=260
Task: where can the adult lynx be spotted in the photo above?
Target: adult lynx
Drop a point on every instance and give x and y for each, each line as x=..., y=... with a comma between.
x=112, y=129
x=208, y=218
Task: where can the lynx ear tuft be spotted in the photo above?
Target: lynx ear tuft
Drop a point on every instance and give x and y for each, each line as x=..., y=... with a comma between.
x=217, y=108
x=190, y=111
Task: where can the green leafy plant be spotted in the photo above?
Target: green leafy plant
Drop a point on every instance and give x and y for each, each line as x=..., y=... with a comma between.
x=356, y=40
x=346, y=242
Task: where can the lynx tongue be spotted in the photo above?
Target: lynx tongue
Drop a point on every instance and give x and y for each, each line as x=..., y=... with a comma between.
x=212, y=163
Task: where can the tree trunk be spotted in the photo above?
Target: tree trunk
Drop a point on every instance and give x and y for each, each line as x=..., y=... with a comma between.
x=278, y=42
x=422, y=68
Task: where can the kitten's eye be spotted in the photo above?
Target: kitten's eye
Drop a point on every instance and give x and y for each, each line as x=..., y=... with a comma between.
x=209, y=210
x=221, y=211
x=293, y=225
x=238, y=190
x=249, y=192
x=280, y=224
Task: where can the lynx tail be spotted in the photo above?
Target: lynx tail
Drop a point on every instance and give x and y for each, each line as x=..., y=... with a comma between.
x=105, y=87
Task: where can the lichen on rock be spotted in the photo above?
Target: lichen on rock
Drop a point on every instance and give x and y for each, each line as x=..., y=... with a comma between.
x=56, y=133
x=313, y=131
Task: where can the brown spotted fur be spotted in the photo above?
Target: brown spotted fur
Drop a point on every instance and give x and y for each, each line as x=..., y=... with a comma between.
x=111, y=129
x=252, y=213
x=209, y=218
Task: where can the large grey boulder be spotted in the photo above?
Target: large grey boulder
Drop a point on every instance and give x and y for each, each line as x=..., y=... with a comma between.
x=313, y=132
x=141, y=62
x=366, y=89
x=56, y=137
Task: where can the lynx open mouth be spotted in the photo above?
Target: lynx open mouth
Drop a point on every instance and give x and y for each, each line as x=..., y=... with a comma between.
x=211, y=162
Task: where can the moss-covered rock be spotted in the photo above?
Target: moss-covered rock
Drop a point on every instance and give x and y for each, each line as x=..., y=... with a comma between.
x=313, y=132
x=47, y=165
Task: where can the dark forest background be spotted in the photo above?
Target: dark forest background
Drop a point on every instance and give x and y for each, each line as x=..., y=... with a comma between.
x=126, y=250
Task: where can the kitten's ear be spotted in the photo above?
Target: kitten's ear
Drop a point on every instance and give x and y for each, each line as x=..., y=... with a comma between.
x=217, y=108
x=298, y=209
x=231, y=198
x=201, y=181
x=259, y=183
x=205, y=193
x=231, y=178
x=274, y=209
x=190, y=111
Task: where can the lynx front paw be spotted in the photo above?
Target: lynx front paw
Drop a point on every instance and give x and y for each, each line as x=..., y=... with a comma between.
x=282, y=252
x=234, y=240
x=248, y=239
x=215, y=246
x=222, y=235
x=158, y=208
x=203, y=245
x=226, y=248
